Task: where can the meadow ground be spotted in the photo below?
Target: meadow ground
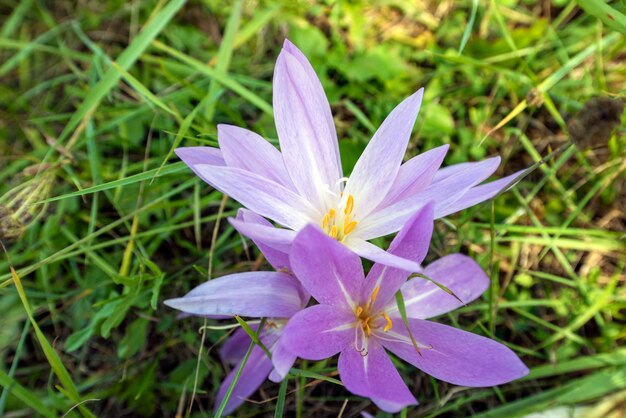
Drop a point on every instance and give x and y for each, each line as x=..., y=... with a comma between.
x=102, y=222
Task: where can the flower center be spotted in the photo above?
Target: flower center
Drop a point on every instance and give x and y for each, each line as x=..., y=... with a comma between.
x=368, y=320
x=338, y=224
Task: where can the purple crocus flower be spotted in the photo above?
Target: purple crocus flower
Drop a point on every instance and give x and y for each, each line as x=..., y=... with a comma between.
x=304, y=182
x=273, y=295
x=358, y=317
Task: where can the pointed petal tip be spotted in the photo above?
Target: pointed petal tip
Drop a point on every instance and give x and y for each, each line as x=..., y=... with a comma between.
x=428, y=207
x=221, y=128
x=441, y=151
x=200, y=155
x=227, y=130
x=524, y=370
x=444, y=147
x=292, y=49
x=495, y=159
x=493, y=163
x=288, y=45
x=417, y=97
x=183, y=152
x=234, y=222
x=171, y=303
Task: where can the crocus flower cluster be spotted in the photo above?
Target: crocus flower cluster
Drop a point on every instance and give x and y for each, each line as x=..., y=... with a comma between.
x=324, y=222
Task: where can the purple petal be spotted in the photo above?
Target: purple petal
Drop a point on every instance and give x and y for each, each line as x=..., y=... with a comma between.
x=275, y=252
x=483, y=192
x=371, y=374
x=319, y=90
x=415, y=175
x=254, y=373
x=378, y=255
x=236, y=346
x=263, y=196
x=274, y=245
x=390, y=219
x=255, y=294
x=456, y=170
x=305, y=126
x=459, y=273
x=193, y=156
x=378, y=166
x=455, y=356
x=283, y=360
x=251, y=152
x=327, y=269
x=318, y=332
x=411, y=243
x=278, y=239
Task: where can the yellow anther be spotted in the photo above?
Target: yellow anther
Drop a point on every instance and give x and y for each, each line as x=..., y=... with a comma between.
x=349, y=205
x=333, y=231
x=374, y=294
x=332, y=213
x=349, y=227
x=389, y=323
x=366, y=327
x=358, y=311
x=325, y=221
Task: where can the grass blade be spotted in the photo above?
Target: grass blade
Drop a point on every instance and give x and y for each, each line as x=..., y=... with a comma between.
x=405, y=321
x=225, y=53
x=51, y=355
x=312, y=375
x=225, y=80
x=436, y=283
x=470, y=24
x=126, y=59
x=146, y=175
x=26, y=396
x=254, y=336
x=610, y=16
x=229, y=392
x=282, y=393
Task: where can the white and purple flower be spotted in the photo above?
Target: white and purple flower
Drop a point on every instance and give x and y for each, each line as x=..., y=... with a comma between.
x=304, y=182
x=358, y=317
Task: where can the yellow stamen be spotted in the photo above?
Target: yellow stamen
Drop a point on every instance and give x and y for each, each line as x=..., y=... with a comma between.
x=325, y=221
x=359, y=311
x=333, y=231
x=332, y=213
x=349, y=227
x=374, y=294
x=349, y=205
x=366, y=327
x=389, y=323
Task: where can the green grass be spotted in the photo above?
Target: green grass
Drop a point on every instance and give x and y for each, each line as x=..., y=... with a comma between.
x=102, y=222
